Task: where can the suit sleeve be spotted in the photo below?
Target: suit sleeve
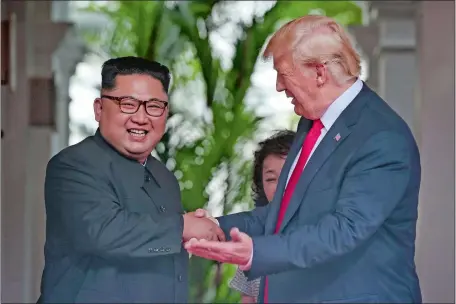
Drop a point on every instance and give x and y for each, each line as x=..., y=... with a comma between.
x=376, y=182
x=251, y=222
x=83, y=203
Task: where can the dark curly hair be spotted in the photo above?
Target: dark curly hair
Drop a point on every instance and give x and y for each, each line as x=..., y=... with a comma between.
x=277, y=144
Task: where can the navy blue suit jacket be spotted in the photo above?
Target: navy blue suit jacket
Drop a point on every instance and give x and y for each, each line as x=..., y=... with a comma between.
x=348, y=235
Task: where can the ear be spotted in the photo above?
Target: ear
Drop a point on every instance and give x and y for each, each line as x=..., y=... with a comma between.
x=321, y=74
x=97, y=108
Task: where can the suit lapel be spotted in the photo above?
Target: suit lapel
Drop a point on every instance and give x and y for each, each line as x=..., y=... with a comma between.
x=302, y=131
x=336, y=135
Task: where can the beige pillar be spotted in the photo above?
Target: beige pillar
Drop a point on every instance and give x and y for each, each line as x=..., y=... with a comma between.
x=435, y=244
x=14, y=144
x=29, y=104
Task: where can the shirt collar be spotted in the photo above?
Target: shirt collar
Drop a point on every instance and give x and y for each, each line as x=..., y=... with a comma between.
x=339, y=105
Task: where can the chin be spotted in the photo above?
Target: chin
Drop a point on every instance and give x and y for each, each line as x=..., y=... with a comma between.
x=138, y=150
x=299, y=111
x=138, y=155
x=306, y=114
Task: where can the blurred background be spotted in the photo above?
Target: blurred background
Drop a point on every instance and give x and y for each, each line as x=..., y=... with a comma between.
x=222, y=103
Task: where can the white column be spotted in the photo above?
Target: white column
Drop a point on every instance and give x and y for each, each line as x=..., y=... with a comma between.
x=395, y=64
x=53, y=61
x=366, y=38
x=70, y=53
x=435, y=256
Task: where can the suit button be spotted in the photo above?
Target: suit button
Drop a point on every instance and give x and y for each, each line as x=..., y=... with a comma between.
x=147, y=178
x=162, y=249
x=180, y=278
x=162, y=209
x=168, y=249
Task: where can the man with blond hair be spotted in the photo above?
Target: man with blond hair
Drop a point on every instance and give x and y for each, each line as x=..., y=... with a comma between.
x=342, y=225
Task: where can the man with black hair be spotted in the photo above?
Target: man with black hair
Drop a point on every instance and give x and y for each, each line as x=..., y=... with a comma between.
x=115, y=222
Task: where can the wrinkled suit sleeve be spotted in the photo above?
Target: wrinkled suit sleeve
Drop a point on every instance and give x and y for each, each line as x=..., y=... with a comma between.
x=251, y=222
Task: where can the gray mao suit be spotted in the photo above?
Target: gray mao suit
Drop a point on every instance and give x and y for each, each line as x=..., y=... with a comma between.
x=348, y=235
x=113, y=230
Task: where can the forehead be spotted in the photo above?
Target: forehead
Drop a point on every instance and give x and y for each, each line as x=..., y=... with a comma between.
x=273, y=162
x=140, y=86
x=282, y=62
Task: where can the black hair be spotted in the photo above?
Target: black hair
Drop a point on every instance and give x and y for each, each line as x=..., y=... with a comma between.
x=278, y=144
x=133, y=65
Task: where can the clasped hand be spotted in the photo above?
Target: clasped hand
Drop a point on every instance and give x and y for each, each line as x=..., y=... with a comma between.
x=237, y=251
x=201, y=227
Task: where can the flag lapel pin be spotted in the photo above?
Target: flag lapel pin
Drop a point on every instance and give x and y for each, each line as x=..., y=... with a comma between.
x=337, y=137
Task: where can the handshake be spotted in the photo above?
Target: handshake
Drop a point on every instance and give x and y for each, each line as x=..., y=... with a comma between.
x=199, y=225
x=204, y=238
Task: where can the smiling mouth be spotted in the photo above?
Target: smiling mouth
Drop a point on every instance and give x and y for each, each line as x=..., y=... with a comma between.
x=137, y=133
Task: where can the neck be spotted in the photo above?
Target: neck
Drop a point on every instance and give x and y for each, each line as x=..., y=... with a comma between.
x=339, y=89
x=332, y=93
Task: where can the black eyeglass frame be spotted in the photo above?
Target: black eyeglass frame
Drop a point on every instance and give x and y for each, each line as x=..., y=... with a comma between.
x=119, y=99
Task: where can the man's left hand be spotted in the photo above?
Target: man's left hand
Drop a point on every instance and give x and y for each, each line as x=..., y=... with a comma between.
x=237, y=251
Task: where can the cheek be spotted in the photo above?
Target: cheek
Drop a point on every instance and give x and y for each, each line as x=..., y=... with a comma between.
x=159, y=123
x=305, y=94
x=294, y=87
x=269, y=190
x=111, y=115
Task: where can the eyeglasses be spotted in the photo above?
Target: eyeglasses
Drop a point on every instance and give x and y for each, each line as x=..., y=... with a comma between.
x=130, y=105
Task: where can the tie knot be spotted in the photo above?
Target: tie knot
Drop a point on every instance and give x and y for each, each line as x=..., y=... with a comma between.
x=317, y=126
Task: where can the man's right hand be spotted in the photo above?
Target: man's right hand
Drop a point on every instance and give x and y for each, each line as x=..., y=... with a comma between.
x=203, y=213
x=201, y=228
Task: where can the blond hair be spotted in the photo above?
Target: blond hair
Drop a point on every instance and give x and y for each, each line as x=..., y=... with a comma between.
x=315, y=39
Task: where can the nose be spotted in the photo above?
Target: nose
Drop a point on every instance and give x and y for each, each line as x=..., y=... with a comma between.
x=279, y=85
x=140, y=117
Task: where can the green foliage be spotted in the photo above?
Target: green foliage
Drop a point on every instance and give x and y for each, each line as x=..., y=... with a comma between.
x=201, y=150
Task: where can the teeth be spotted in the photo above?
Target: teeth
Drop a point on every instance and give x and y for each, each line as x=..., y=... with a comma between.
x=138, y=133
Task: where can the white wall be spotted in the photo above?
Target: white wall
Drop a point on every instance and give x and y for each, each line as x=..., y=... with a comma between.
x=436, y=231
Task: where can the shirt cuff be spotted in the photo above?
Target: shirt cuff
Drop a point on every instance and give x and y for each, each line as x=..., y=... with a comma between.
x=247, y=266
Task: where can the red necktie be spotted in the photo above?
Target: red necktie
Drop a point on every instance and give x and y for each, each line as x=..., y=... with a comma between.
x=307, y=147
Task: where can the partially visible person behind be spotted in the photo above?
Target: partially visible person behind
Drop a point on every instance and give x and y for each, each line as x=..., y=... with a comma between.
x=115, y=222
x=267, y=164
